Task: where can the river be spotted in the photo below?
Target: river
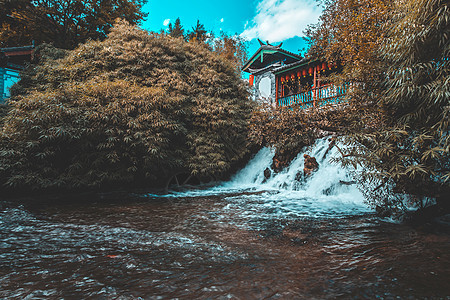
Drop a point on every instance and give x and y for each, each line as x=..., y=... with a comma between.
x=249, y=238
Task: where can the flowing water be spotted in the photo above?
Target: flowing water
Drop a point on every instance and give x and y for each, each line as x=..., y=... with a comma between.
x=285, y=237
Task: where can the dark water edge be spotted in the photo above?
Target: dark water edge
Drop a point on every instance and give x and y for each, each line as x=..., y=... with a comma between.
x=211, y=248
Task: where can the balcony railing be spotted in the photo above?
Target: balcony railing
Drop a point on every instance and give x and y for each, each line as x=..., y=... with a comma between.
x=329, y=94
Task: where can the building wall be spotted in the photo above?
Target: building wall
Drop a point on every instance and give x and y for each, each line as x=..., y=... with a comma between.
x=2, y=85
x=7, y=79
x=265, y=87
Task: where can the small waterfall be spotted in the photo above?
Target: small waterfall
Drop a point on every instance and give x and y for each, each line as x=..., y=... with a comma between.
x=327, y=180
x=252, y=175
x=326, y=192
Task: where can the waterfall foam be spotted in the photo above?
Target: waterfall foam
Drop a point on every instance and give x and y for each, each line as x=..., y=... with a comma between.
x=289, y=192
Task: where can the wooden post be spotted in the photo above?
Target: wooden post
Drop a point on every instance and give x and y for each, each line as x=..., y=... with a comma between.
x=318, y=87
x=314, y=87
x=276, y=90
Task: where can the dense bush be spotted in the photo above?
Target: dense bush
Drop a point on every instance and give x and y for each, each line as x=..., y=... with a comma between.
x=134, y=109
x=290, y=129
x=3, y=112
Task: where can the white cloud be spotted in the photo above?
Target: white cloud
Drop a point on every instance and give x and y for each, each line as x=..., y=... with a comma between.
x=221, y=20
x=166, y=22
x=279, y=20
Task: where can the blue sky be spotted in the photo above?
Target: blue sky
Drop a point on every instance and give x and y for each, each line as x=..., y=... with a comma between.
x=273, y=20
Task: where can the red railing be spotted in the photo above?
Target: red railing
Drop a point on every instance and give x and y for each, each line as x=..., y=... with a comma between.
x=329, y=94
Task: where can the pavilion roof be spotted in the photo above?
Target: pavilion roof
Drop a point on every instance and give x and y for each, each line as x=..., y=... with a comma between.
x=267, y=55
x=16, y=49
x=16, y=57
x=294, y=65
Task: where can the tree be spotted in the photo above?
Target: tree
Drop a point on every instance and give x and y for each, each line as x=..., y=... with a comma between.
x=411, y=154
x=198, y=33
x=350, y=33
x=65, y=23
x=233, y=48
x=176, y=30
x=396, y=56
x=134, y=109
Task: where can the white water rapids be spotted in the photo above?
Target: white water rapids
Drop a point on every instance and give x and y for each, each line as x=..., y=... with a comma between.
x=321, y=194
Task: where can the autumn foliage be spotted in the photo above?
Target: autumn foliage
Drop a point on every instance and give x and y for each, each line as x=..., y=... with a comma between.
x=396, y=55
x=290, y=129
x=411, y=154
x=64, y=23
x=134, y=109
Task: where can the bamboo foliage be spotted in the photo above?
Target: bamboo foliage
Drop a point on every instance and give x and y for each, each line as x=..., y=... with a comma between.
x=131, y=110
x=408, y=152
x=396, y=57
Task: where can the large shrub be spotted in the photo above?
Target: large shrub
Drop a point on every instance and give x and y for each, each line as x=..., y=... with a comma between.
x=136, y=108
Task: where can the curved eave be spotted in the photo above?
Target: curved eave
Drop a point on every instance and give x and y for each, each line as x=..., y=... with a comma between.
x=267, y=50
x=293, y=66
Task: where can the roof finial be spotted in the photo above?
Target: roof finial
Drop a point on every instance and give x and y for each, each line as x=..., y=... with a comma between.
x=268, y=44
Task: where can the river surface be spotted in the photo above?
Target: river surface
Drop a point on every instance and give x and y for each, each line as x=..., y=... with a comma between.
x=270, y=240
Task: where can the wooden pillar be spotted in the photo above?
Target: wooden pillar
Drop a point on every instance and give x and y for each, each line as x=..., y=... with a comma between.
x=318, y=87
x=314, y=87
x=276, y=90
